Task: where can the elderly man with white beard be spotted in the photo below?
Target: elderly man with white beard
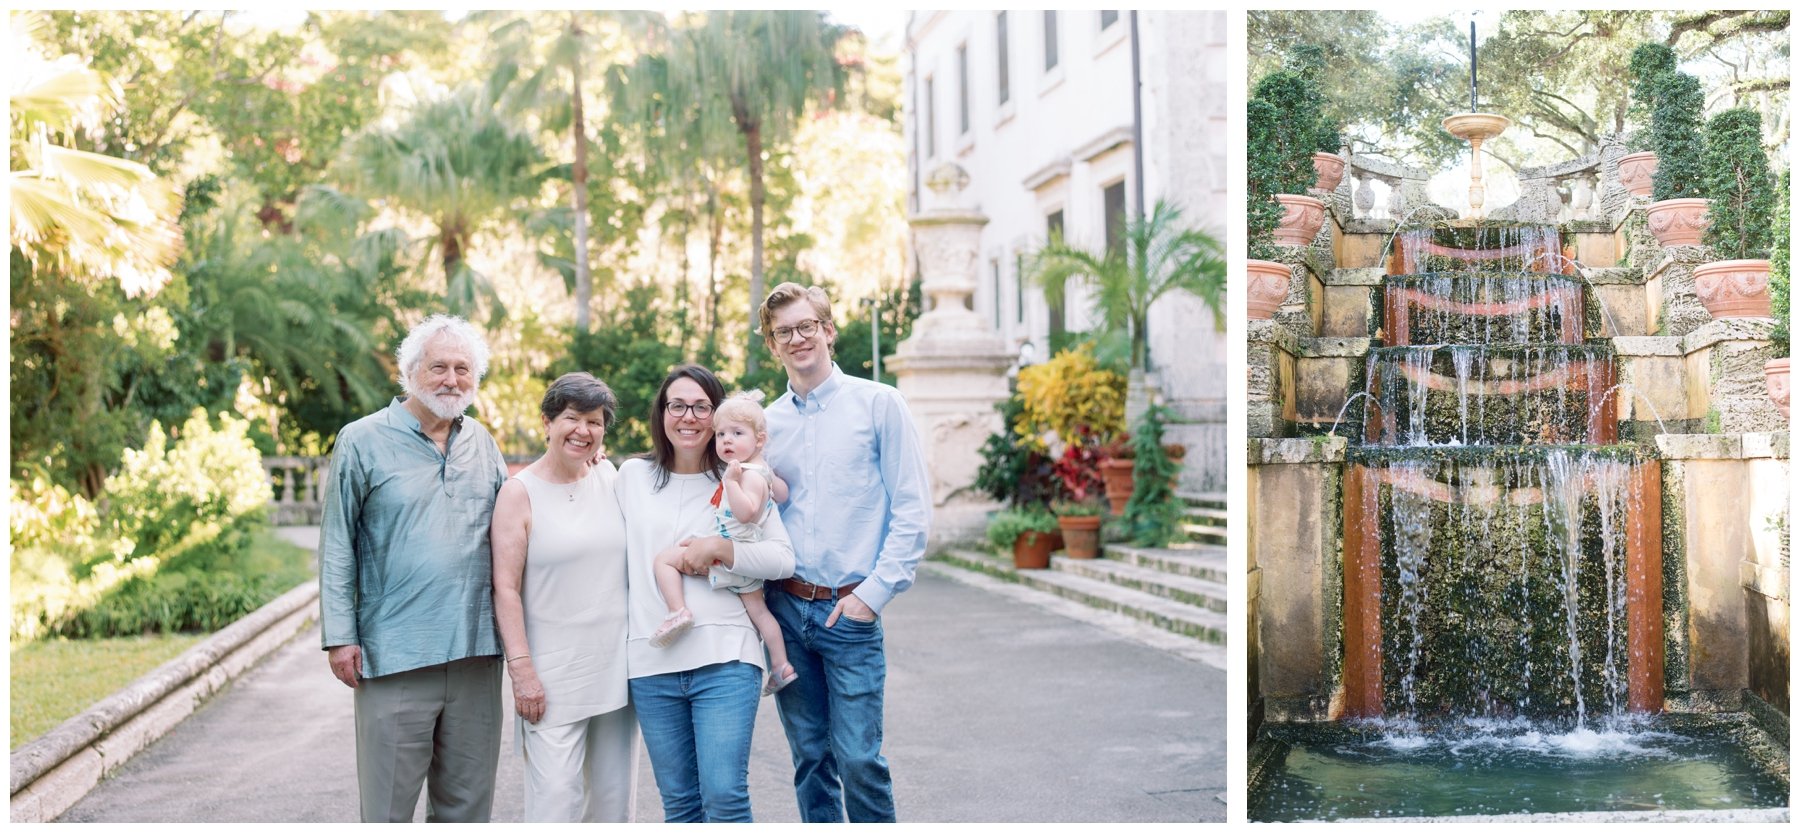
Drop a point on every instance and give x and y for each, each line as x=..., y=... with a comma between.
x=405, y=584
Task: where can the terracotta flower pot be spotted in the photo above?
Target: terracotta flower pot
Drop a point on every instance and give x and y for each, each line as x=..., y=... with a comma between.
x=1734, y=288
x=1775, y=375
x=1081, y=535
x=1330, y=168
x=1267, y=286
x=1636, y=171
x=1118, y=477
x=1678, y=222
x=1301, y=218
x=1031, y=550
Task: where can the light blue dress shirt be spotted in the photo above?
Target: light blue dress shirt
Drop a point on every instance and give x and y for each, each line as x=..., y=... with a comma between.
x=859, y=494
x=404, y=566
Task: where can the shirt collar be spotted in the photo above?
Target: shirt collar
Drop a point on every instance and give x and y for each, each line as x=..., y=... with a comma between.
x=823, y=394
x=399, y=415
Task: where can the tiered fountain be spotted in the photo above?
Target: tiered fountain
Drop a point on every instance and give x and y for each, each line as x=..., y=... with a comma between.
x=1475, y=606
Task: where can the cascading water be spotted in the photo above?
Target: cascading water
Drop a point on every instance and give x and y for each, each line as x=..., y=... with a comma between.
x=1500, y=516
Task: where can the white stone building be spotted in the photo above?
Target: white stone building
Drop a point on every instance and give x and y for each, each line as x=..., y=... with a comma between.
x=1038, y=108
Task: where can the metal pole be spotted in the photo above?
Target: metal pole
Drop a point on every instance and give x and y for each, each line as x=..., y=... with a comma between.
x=1472, y=101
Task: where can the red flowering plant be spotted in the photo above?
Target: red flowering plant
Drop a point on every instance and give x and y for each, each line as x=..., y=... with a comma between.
x=1078, y=470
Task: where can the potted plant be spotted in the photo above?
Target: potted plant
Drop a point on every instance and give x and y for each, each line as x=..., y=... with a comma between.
x=1267, y=174
x=1029, y=534
x=1649, y=62
x=1015, y=474
x=1118, y=462
x=1775, y=372
x=1153, y=514
x=1735, y=176
x=1308, y=61
x=1079, y=512
x=1678, y=215
x=1159, y=259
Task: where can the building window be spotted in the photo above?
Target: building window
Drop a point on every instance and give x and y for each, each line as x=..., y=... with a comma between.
x=1113, y=198
x=1108, y=18
x=1054, y=231
x=1019, y=288
x=1000, y=44
x=995, y=265
x=1049, y=41
x=930, y=125
x=962, y=89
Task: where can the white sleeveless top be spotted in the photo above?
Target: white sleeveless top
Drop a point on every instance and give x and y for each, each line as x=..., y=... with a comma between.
x=574, y=595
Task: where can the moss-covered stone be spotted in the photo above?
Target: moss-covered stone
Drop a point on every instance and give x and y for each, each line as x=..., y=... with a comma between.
x=1489, y=395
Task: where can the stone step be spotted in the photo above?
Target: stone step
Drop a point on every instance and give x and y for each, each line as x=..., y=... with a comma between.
x=1193, y=560
x=1185, y=589
x=1206, y=517
x=1176, y=617
x=1207, y=500
x=1211, y=536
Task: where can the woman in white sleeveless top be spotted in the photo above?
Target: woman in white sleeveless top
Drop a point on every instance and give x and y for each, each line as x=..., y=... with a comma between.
x=563, y=621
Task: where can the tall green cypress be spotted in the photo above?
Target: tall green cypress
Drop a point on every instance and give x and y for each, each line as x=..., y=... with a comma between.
x=1675, y=136
x=1735, y=176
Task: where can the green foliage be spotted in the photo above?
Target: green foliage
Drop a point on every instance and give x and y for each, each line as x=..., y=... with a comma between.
x=1091, y=507
x=1263, y=178
x=1294, y=131
x=1735, y=177
x=1153, y=514
x=1649, y=63
x=631, y=354
x=899, y=309
x=1675, y=137
x=200, y=592
x=1780, y=282
x=1308, y=60
x=1008, y=524
x=1010, y=472
x=170, y=503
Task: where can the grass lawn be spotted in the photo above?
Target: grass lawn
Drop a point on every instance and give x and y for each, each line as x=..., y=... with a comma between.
x=55, y=679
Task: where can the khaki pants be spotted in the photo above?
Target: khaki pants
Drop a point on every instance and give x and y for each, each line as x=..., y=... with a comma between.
x=438, y=725
x=583, y=771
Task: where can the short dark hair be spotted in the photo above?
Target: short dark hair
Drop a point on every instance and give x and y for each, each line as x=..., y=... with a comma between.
x=662, y=451
x=581, y=391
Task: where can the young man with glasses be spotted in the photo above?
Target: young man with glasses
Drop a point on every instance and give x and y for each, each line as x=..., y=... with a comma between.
x=858, y=511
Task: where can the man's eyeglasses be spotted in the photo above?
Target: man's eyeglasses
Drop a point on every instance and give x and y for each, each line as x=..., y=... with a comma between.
x=700, y=410
x=806, y=329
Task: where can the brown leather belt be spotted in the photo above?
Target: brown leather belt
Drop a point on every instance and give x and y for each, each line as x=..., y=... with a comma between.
x=814, y=592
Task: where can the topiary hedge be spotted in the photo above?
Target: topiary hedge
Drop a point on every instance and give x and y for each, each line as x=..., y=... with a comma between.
x=1735, y=177
x=1675, y=137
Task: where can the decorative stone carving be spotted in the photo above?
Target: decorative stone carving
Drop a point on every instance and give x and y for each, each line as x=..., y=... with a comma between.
x=952, y=370
x=1266, y=284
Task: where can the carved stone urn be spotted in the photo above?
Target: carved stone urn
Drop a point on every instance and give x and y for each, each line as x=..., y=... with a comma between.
x=1301, y=218
x=1678, y=222
x=1330, y=168
x=1266, y=284
x=1636, y=171
x=1734, y=288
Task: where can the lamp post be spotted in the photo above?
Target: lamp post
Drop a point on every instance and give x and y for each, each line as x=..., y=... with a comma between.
x=874, y=304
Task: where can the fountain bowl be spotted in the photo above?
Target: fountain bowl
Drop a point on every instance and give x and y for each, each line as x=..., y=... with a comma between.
x=1467, y=126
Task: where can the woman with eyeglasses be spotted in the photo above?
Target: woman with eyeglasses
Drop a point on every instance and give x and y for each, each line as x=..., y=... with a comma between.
x=695, y=700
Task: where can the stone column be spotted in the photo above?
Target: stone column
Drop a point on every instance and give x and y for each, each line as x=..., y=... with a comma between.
x=952, y=370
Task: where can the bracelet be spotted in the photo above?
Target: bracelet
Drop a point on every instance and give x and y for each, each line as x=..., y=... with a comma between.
x=519, y=657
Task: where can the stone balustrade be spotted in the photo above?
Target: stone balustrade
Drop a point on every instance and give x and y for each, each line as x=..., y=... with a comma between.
x=298, y=484
x=1405, y=188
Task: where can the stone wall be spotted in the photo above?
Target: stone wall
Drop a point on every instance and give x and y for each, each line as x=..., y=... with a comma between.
x=1295, y=542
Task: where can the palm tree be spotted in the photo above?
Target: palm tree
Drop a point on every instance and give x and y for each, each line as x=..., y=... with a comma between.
x=1159, y=257
x=87, y=215
x=758, y=70
x=458, y=160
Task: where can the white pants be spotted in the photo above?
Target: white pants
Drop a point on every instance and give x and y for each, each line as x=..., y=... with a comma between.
x=583, y=771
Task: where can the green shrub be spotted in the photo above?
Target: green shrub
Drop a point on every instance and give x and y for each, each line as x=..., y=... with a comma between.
x=1675, y=137
x=1153, y=515
x=1009, y=524
x=1779, y=281
x=1649, y=63
x=202, y=591
x=1010, y=472
x=1735, y=177
x=1262, y=177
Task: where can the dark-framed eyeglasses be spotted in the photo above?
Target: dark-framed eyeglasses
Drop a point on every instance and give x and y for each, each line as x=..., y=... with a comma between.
x=700, y=410
x=806, y=329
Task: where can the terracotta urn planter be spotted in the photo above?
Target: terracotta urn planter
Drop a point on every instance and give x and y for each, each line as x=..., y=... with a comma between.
x=1330, y=168
x=1775, y=375
x=1117, y=475
x=1301, y=218
x=1081, y=535
x=1266, y=285
x=1636, y=171
x=1678, y=222
x=1031, y=550
x=1734, y=288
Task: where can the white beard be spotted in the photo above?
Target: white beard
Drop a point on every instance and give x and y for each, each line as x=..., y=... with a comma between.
x=443, y=409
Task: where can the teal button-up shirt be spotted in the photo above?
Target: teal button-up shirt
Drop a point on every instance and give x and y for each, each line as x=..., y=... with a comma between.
x=404, y=566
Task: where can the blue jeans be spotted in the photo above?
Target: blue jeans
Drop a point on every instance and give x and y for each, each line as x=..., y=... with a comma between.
x=697, y=727
x=832, y=713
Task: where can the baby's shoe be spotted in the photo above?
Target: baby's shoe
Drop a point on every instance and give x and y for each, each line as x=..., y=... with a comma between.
x=672, y=628
x=780, y=679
